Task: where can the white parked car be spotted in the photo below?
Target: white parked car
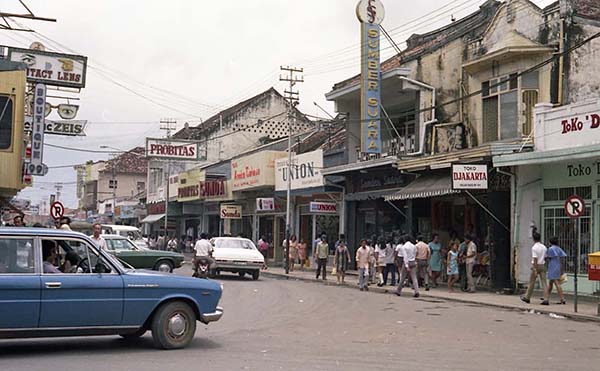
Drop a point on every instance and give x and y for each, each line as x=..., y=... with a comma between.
x=133, y=233
x=237, y=255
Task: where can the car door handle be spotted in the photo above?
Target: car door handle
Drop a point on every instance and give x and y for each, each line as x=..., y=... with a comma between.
x=53, y=285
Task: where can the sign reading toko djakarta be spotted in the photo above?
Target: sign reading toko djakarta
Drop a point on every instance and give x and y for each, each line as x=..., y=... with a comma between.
x=173, y=149
x=370, y=13
x=469, y=177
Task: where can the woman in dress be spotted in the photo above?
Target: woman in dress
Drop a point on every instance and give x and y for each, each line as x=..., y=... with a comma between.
x=435, y=261
x=555, y=271
x=380, y=258
x=341, y=259
x=302, y=254
x=452, y=264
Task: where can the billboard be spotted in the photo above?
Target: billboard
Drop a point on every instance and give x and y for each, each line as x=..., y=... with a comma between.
x=305, y=172
x=172, y=149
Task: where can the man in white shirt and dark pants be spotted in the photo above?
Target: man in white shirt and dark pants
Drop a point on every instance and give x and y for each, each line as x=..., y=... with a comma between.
x=97, y=238
x=538, y=266
x=203, y=250
x=409, y=266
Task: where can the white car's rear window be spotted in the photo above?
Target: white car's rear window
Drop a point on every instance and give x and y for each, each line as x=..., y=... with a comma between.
x=234, y=244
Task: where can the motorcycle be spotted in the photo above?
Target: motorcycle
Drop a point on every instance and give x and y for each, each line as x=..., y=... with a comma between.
x=201, y=268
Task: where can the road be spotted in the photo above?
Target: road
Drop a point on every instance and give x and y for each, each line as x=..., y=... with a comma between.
x=275, y=324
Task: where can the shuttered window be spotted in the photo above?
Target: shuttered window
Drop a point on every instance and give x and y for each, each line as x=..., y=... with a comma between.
x=530, y=99
x=6, y=122
x=490, y=119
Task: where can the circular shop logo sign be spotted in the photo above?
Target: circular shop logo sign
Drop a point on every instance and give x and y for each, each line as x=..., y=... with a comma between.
x=370, y=11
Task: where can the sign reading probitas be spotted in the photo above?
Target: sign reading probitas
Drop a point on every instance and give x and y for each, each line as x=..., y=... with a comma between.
x=172, y=149
x=231, y=211
x=56, y=69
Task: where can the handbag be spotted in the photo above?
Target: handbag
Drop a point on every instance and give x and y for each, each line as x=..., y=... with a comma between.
x=563, y=278
x=334, y=271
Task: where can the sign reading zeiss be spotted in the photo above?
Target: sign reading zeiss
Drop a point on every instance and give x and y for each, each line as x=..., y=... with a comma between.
x=370, y=13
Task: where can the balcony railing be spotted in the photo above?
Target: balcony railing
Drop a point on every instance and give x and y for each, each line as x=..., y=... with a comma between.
x=393, y=147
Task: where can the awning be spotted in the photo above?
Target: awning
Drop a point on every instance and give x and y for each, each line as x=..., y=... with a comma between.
x=547, y=157
x=153, y=218
x=423, y=187
x=371, y=195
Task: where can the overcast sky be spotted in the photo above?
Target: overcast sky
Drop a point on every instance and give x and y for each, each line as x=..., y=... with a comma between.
x=190, y=59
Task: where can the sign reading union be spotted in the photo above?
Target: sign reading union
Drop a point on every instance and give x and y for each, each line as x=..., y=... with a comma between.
x=174, y=149
x=231, y=211
x=469, y=177
x=370, y=13
x=306, y=171
x=323, y=207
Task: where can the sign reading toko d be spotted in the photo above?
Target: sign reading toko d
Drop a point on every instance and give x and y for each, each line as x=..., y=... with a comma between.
x=370, y=13
x=39, y=117
x=469, y=177
x=172, y=149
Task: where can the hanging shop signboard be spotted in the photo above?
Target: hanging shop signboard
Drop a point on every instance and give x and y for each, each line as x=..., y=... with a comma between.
x=469, y=177
x=231, y=212
x=370, y=13
x=305, y=171
x=254, y=171
x=173, y=149
x=323, y=207
x=265, y=204
x=50, y=68
x=71, y=128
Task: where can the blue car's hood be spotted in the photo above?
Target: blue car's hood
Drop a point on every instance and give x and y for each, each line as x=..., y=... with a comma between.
x=168, y=279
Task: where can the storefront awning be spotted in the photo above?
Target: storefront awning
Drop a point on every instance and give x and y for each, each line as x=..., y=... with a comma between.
x=371, y=195
x=424, y=187
x=153, y=218
x=546, y=157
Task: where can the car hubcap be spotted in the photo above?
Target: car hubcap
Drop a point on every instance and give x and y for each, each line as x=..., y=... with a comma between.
x=164, y=268
x=177, y=325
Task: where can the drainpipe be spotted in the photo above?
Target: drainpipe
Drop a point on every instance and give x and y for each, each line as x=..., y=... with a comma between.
x=425, y=124
x=561, y=49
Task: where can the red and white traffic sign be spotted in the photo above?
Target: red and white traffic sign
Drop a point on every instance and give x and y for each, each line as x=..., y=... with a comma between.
x=574, y=206
x=57, y=210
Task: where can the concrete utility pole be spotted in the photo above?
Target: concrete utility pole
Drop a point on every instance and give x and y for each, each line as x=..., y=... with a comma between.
x=293, y=98
x=168, y=125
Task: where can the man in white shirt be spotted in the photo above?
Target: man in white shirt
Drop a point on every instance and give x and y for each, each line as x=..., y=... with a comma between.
x=471, y=260
x=203, y=250
x=409, y=265
x=538, y=266
x=97, y=238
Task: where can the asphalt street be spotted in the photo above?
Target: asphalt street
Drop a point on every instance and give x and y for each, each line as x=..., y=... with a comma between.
x=275, y=324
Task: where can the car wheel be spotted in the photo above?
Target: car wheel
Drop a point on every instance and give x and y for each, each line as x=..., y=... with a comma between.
x=255, y=275
x=134, y=335
x=173, y=325
x=241, y=274
x=164, y=266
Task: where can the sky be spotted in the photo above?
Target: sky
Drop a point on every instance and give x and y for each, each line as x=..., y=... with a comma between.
x=187, y=60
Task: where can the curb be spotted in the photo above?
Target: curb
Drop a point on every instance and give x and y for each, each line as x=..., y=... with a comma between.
x=570, y=316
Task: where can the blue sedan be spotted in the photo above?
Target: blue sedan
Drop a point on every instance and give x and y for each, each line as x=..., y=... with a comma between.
x=57, y=283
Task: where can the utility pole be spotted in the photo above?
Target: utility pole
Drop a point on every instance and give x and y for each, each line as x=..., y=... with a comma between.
x=58, y=187
x=168, y=125
x=293, y=99
x=114, y=188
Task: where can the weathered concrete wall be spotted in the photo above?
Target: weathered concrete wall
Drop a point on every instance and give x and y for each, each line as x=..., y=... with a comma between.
x=582, y=67
x=529, y=181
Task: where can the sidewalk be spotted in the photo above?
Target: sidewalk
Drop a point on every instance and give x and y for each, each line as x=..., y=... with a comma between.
x=587, y=310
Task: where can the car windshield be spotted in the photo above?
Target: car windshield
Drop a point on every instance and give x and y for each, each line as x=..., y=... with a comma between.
x=132, y=235
x=234, y=244
x=121, y=244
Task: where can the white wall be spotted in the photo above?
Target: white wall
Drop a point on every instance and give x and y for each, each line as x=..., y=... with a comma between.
x=529, y=183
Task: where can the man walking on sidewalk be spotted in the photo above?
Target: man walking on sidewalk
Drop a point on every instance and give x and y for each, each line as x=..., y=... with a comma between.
x=471, y=259
x=363, y=254
x=538, y=267
x=409, y=252
x=321, y=256
x=423, y=255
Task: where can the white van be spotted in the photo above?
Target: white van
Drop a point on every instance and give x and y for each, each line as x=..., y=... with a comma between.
x=132, y=233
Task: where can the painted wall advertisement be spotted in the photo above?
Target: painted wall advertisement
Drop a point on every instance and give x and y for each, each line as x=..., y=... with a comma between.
x=231, y=212
x=370, y=13
x=254, y=171
x=469, y=177
x=305, y=171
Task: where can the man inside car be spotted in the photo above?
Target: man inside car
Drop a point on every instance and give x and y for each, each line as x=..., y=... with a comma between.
x=49, y=255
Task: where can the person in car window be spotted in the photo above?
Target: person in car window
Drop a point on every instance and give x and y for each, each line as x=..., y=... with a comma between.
x=71, y=263
x=49, y=255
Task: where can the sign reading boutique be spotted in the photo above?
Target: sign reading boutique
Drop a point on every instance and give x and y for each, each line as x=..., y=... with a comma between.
x=254, y=171
x=305, y=171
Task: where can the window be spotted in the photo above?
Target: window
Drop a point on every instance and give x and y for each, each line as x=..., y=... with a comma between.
x=120, y=245
x=75, y=256
x=561, y=194
x=500, y=101
x=16, y=256
x=6, y=122
x=112, y=184
x=141, y=186
x=557, y=224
